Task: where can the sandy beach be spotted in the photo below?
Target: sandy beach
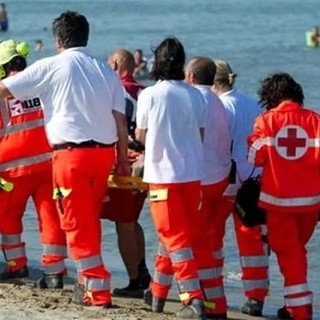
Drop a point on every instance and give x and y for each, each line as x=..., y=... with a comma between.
x=20, y=300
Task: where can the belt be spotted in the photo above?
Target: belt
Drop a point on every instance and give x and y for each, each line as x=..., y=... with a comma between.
x=84, y=144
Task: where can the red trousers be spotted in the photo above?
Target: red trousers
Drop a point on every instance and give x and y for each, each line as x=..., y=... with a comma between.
x=80, y=180
x=175, y=213
x=210, y=271
x=123, y=206
x=288, y=235
x=38, y=186
x=252, y=250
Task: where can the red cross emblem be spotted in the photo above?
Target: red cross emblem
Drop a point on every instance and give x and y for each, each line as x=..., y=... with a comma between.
x=291, y=142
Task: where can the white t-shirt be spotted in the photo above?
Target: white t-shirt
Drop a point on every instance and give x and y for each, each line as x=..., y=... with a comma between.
x=172, y=112
x=241, y=114
x=78, y=94
x=217, y=143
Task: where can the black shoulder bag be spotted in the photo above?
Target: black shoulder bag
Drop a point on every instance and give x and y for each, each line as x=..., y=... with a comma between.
x=246, y=202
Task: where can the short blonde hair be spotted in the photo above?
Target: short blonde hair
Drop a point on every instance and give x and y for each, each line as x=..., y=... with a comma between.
x=224, y=74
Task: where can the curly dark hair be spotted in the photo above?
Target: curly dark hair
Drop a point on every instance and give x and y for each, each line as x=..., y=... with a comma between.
x=71, y=29
x=277, y=88
x=169, y=60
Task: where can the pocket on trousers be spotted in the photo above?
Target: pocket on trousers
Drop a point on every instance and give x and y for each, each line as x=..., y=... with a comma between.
x=158, y=195
x=60, y=195
x=159, y=207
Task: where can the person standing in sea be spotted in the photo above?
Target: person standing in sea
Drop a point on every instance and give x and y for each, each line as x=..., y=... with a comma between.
x=286, y=143
x=124, y=206
x=141, y=64
x=241, y=113
x=170, y=123
x=4, y=24
x=84, y=111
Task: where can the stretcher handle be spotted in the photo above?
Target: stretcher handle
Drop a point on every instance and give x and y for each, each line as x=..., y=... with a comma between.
x=127, y=182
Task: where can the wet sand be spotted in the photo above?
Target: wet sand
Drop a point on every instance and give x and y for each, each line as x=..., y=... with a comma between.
x=22, y=301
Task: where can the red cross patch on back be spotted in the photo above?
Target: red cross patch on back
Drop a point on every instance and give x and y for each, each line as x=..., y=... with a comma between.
x=291, y=142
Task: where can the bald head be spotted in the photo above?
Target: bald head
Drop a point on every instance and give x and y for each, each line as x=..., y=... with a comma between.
x=200, y=70
x=122, y=62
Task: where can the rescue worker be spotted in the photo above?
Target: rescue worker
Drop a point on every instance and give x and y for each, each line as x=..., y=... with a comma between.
x=170, y=121
x=286, y=143
x=200, y=72
x=124, y=206
x=25, y=161
x=84, y=112
x=241, y=113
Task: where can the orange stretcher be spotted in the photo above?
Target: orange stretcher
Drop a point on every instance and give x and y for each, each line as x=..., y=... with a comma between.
x=127, y=182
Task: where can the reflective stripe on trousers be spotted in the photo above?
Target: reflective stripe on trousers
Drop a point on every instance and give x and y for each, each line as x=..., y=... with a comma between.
x=53, y=261
x=163, y=279
x=92, y=284
x=212, y=285
x=88, y=263
x=14, y=253
x=298, y=302
x=10, y=239
x=54, y=268
x=255, y=284
x=254, y=261
x=177, y=256
x=54, y=250
x=305, y=296
x=212, y=273
x=180, y=256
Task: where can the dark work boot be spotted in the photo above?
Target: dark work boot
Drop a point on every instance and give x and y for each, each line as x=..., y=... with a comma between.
x=17, y=274
x=144, y=276
x=195, y=310
x=147, y=297
x=50, y=281
x=217, y=316
x=284, y=314
x=78, y=297
x=253, y=307
x=128, y=291
x=156, y=304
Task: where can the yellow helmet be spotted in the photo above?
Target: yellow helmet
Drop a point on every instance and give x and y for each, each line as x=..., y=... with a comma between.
x=10, y=49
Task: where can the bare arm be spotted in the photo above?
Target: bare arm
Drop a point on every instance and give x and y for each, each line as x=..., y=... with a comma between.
x=140, y=135
x=4, y=92
x=122, y=163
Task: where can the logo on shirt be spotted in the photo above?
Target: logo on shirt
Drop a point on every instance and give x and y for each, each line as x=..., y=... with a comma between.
x=17, y=107
x=291, y=142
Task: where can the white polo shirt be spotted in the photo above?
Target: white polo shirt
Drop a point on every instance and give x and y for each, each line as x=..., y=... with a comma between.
x=172, y=112
x=217, y=143
x=242, y=111
x=78, y=94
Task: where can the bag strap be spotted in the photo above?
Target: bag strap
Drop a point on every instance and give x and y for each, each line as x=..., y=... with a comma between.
x=250, y=175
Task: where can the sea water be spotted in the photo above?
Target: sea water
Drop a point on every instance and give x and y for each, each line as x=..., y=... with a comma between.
x=256, y=37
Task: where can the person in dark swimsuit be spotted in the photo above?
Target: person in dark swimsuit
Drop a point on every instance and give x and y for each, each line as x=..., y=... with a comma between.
x=3, y=17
